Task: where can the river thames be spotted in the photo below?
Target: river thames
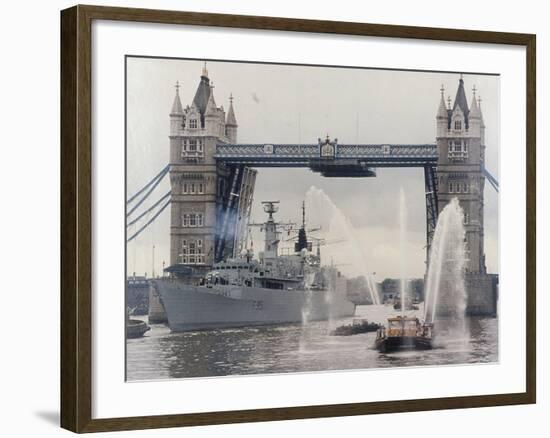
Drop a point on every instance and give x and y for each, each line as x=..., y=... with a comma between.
x=294, y=348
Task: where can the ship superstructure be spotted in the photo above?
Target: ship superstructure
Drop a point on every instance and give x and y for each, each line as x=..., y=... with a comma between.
x=269, y=289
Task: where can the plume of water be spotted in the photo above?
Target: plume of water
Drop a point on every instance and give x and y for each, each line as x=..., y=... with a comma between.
x=338, y=226
x=402, y=243
x=306, y=308
x=445, y=288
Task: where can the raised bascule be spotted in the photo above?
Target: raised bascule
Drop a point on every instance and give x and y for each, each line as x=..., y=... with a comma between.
x=212, y=180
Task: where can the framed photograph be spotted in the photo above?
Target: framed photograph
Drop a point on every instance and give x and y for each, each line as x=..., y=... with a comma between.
x=268, y=219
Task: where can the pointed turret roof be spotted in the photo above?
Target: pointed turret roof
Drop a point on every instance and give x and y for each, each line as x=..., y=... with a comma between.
x=211, y=107
x=461, y=101
x=442, y=110
x=203, y=92
x=177, y=108
x=475, y=111
x=231, y=120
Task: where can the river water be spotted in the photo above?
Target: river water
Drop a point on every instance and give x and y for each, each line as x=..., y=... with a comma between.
x=296, y=348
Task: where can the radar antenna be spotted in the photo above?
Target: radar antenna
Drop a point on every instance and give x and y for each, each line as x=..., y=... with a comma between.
x=270, y=207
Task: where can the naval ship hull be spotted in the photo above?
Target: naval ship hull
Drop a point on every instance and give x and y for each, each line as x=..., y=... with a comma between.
x=190, y=307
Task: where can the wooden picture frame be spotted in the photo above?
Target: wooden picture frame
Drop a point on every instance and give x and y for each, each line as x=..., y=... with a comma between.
x=76, y=217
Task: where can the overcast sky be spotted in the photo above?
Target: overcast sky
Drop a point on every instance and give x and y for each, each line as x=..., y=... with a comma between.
x=298, y=104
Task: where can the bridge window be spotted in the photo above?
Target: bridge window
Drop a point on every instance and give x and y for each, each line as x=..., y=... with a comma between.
x=192, y=251
x=184, y=252
x=458, y=125
x=193, y=220
x=193, y=123
x=466, y=218
x=451, y=187
x=458, y=150
x=192, y=145
x=193, y=254
x=192, y=188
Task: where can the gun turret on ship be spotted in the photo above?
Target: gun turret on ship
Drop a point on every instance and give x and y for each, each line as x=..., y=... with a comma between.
x=249, y=291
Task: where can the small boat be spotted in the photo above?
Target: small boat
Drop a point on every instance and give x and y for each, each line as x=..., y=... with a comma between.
x=408, y=306
x=356, y=327
x=404, y=332
x=136, y=328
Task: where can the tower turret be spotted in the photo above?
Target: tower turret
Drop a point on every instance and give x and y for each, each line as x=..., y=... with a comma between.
x=212, y=115
x=475, y=116
x=202, y=95
x=442, y=116
x=176, y=114
x=231, y=123
x=460, y=107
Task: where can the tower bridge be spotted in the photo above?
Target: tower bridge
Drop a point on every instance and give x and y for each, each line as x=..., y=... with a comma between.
x=212, y=179
x=302, y=155
x=332, y=159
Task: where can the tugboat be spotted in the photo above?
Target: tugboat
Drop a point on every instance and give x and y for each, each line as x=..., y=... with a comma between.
x=404, y=332
x=135, y=328
x=356, y=327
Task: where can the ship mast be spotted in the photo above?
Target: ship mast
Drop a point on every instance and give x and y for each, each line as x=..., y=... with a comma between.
x=302, y=236
x=271, y=246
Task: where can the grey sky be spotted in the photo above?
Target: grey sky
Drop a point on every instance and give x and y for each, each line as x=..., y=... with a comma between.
x=287, y=104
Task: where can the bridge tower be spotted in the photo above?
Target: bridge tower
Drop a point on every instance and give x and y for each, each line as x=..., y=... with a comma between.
x=201, y=188
x=461, y=161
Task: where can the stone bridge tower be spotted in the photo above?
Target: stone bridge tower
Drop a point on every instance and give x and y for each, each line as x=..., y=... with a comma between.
x=200, y=187
x=460, y=170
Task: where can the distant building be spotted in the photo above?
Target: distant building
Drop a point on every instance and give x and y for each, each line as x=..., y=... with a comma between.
x=390, y=289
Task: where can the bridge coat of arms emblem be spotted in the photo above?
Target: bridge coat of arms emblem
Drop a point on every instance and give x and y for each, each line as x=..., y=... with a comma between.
x=327, y=149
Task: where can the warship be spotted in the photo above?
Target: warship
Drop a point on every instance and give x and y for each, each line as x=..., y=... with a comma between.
x=248, y=291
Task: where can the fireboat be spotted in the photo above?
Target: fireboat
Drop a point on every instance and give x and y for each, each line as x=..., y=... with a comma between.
x=404, y=333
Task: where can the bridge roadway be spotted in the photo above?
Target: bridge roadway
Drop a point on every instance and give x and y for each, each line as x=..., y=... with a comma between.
x=301, y=155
